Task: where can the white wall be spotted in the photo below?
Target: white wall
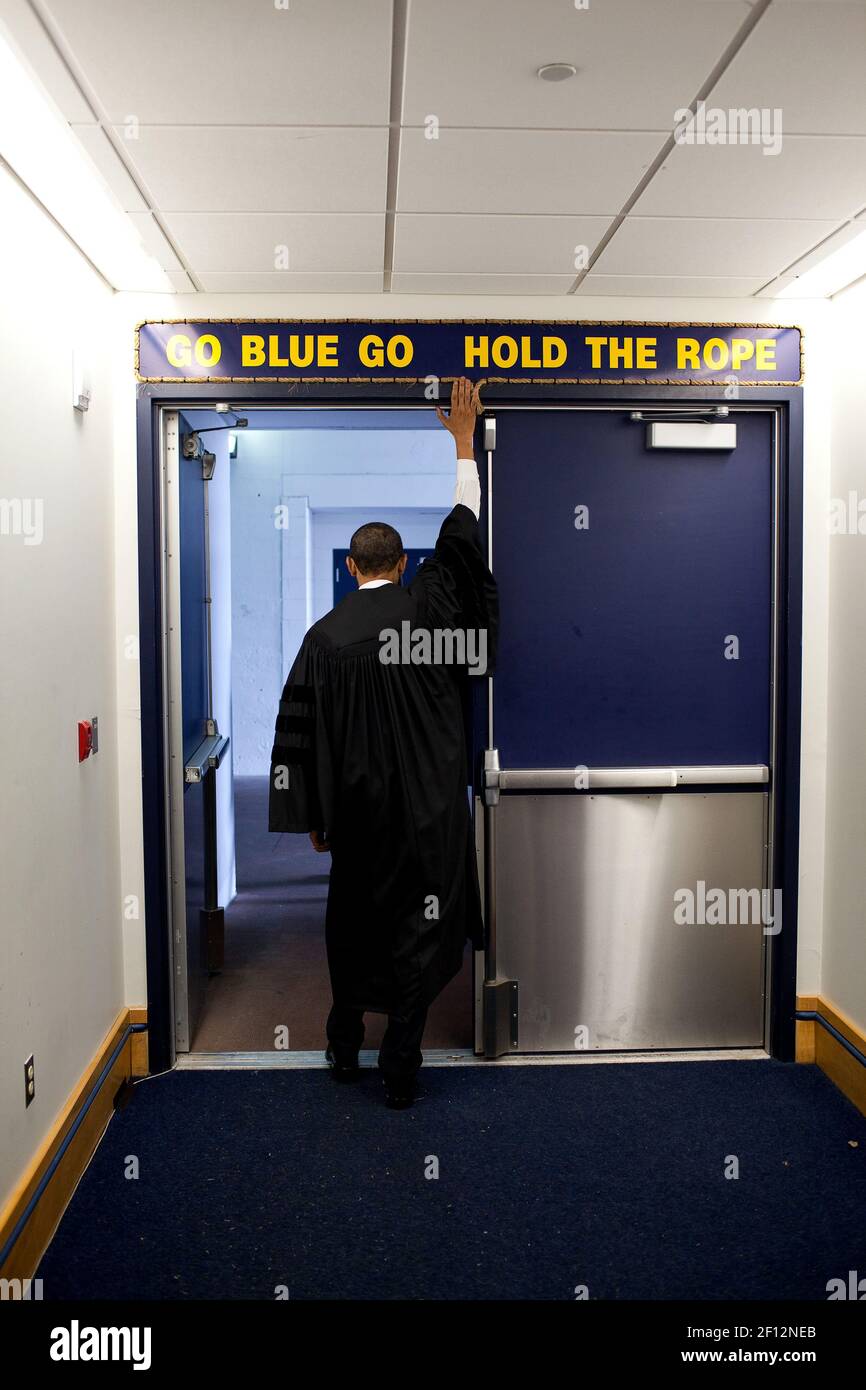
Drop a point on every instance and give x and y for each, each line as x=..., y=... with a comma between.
x=812, y=315
x=843, y=964
x=62, y=923
x=816, y=478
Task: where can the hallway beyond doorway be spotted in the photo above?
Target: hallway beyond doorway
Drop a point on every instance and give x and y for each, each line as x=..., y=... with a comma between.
x=276, y=971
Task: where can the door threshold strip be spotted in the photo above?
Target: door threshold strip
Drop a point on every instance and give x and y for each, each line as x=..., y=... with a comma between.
x=457, y=1057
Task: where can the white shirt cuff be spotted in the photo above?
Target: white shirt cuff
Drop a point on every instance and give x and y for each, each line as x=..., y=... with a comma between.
x=468, y=486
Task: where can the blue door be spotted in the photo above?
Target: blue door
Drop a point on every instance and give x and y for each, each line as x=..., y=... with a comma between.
x=344, y=583
x=194, y=713
x=636, y=591
x=631, y=722
x=202, y=746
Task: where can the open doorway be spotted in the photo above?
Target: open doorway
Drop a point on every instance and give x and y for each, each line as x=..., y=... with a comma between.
x=286, y=492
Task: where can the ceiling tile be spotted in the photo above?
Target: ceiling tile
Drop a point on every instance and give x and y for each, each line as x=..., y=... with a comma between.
x=670, y=286
x=707, y=246
x=154, y=240
x=493, y=245
x=180, y=282
x=551, y=171
x=638, y=61
x=111, y=167
x=260, y=169
x=807, y=60
x=480, y=284
x=817, y=176
x=213, y=62
x=287, y=282
x=249, y=241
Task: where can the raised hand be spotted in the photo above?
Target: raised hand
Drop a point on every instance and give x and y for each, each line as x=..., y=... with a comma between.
x=460, y=421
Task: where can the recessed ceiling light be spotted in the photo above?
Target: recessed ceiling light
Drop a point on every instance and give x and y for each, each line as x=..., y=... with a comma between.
x=556, y=72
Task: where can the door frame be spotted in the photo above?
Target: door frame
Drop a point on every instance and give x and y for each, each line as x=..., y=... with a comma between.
x=153, y=399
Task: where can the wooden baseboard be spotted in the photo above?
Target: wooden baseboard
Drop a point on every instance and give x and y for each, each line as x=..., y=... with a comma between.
x=815, y=1043
x=140, y=1065
x=804, y=1040
x=91, y=1119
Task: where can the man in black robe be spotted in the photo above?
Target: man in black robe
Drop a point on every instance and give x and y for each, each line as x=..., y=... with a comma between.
x=369, y=757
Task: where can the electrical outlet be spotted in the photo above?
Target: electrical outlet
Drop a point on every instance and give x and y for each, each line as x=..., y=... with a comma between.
x=29, y=1080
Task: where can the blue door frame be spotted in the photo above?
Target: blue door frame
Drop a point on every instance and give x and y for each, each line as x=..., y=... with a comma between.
x=153, y=397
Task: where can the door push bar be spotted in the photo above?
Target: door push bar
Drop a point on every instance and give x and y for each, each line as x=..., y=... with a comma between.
x=580, y=779
x=208, y=754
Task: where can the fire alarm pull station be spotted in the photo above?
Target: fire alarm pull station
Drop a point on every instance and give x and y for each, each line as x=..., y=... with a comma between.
x=85, y=739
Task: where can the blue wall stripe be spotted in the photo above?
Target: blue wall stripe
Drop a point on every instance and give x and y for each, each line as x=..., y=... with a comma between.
x=67, y=1140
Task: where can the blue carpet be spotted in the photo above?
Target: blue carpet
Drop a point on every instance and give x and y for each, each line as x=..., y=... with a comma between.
x=549, y=1177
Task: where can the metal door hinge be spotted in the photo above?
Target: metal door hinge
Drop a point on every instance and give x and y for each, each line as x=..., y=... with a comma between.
x=501, y=1017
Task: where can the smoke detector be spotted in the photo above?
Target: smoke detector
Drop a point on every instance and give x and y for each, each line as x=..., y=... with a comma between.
x=556, y=72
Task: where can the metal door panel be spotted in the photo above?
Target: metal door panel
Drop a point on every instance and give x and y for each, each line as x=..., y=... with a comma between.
x=585, y=919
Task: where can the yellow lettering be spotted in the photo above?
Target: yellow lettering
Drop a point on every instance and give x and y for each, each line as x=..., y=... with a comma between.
x=765, y=355
x=400, y=350
x=553, y=352
x=208, y=341
x=622, y=355
x=297, y=358
x=177, y=350
x=688, y=350
x=274, y=358
x=328, y=350
x=716, y=352
x=646, y=353
x=475, y=352
x=595, y=346
x=504, y=351
x=526, y=358
x=252, y=350
x=741, y=350
x=371, y=351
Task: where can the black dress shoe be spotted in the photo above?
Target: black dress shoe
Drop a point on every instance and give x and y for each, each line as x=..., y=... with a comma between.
x=400, y=1091
x=341, y=1069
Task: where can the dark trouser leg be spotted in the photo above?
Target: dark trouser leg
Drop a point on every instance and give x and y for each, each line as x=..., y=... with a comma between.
x=400, y=1053
x=345, y=1030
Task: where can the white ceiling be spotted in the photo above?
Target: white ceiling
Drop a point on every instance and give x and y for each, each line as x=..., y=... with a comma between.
x=238, y=135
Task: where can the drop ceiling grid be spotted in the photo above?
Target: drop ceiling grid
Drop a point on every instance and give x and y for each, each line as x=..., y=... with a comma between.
x=291, y=149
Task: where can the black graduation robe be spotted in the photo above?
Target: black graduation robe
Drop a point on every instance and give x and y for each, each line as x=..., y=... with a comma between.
x=375, y=755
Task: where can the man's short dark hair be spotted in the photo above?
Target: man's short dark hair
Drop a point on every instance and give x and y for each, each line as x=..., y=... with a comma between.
x=376, y=548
